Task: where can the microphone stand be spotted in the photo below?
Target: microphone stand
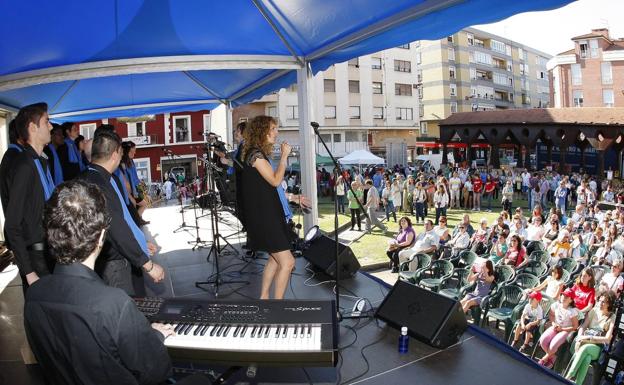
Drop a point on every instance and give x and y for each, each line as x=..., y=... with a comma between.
x=183, y=226
x=338, y=171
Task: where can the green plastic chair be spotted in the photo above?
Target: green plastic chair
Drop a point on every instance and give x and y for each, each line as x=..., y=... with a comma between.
x=422, y=261
x=504, y=274
x=568, y=264
x=501, y=306
x=540, y=255
x=545, y=304
x=533, y=246
x=537, y=268
x=431, y=277
x=566, y=277
x=452, y=286
x=466, y=259
x=526, y=280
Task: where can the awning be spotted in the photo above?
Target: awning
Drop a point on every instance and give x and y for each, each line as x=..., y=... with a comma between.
x=102, y=58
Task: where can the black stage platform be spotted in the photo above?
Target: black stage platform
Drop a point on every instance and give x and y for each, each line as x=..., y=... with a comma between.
x=368, y=348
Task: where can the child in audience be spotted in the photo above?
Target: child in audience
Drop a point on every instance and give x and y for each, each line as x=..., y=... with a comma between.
x=564, y=319
x=531, y=317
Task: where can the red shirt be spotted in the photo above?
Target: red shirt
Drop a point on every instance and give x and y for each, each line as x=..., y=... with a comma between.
x=490, y=186
x=515, y=258
x=477, y=185
x=583, y=296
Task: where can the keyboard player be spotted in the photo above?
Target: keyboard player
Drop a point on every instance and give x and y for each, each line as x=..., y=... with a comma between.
x=80, y=330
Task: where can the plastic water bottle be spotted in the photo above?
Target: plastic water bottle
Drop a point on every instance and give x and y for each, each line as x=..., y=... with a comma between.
x=403, y=341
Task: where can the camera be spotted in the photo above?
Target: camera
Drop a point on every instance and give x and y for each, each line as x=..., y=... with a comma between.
x=213, y=142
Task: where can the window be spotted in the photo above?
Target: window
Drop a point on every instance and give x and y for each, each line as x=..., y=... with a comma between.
x=508, y=50
x=182, y=128
x=354, y=62
x=451, y=54
x=509, y=67
x=292, y=112
x=470, y=38
x=526, y=84
x=483, y=58
x=605, y=72
x=143, y=169
x=377, y=88
x=498, y=46
x=607, y=98
x=501, y=79
x=272, y=111
x=520, y=54
x=577, y=77
x=329, y=85
x=473, y=73
x=423, y=128
x=541, y=75
x=452, y=72
x=418, y=57
x=453, y=107
x=376, y=63
x=330, y=112
x=421, y=110
x=292, y=88
x=135, y=129
x=404, y=46
x=402, y=89
x=88, y=129
x=420, y=92
x=354, y=112
x=593, y=48
x=578, y=98
x=378, y=113
x=404, y=114
x=207, y=123
x=583, y=49
x=453, y=89
x=354, y=86
x=526, y=99
x=449, y=39
x=403, y=66
x=337, y=138
x=419, y=76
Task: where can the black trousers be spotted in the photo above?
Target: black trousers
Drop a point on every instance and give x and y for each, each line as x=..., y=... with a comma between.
x=41, y=264
x=355, y=217
x=117, y=273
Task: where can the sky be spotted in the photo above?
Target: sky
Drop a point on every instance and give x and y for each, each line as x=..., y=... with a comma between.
x=551, y=31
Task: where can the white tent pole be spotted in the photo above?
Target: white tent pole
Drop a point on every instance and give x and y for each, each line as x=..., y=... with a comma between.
x=229, y=139
x=307, y=141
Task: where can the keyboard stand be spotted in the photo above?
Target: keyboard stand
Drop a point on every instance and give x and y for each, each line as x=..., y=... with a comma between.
x=222, y=379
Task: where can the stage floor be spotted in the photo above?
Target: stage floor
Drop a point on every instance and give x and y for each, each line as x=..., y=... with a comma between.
x=368, y=348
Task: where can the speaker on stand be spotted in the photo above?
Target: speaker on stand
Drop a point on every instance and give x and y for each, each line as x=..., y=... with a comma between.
x=319, y=253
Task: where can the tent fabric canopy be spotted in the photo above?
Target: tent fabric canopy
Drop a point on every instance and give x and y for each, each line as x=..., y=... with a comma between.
x=107, y=58
x=359, y=157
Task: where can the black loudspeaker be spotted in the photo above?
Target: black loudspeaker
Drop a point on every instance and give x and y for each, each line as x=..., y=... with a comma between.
x=430, y=317
x=322, y=254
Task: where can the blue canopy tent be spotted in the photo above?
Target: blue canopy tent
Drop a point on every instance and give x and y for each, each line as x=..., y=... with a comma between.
x=108, y=58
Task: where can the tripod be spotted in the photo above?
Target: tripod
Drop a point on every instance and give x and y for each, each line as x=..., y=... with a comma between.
x=215, y=249
x=184, y=225
x=198, y=243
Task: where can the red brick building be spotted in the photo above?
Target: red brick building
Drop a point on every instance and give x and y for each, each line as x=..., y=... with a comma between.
x=181, y=133
x=589, y=75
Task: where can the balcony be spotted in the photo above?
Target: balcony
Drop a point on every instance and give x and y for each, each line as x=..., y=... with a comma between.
x=143, y=140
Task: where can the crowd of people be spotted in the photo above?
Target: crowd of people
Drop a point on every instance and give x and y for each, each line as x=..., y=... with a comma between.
x=578, y=233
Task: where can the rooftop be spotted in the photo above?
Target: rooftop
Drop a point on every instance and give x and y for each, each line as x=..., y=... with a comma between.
x=585, y=115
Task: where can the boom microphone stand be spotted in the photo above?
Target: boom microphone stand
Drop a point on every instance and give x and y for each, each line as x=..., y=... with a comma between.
x=337, y=171
x=198, y=243
x=215, y=250
x=183, y=226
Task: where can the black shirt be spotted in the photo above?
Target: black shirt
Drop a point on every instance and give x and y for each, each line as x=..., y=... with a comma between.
x=120, y=243
x=84, y=332
x=24, y=212
x=7, y=170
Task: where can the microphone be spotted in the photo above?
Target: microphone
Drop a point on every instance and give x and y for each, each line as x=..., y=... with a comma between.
x=315, y=127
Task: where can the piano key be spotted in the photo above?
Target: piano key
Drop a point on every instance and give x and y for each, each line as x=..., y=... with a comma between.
x=214, y=330
x=253, y=331
x=177, y=328
x=309, y=331
x=285, y=331
x=220, y=330
x=277, y=331
x=204, y=330
x=226, y=331
x=267, y=331
x=244, y=331
x=295, y=332
x=236, y=331
x=260, y=329
x=198, y=329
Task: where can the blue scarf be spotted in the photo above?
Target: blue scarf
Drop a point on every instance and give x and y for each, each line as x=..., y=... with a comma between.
x=120, y=175
x=16, y=147
x=58, y=170
x=283, y=200
x=74, y=155
x=46, y=179
x=133, y=178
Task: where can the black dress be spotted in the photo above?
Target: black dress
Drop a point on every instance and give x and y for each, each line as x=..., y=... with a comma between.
x=266, y=225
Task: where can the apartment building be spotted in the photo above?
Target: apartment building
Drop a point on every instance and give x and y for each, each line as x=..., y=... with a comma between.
x=591, y=74
x=474, y=70
x=370, y=102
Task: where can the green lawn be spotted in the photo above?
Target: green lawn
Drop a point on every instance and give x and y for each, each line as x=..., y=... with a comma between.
x=371, y=248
